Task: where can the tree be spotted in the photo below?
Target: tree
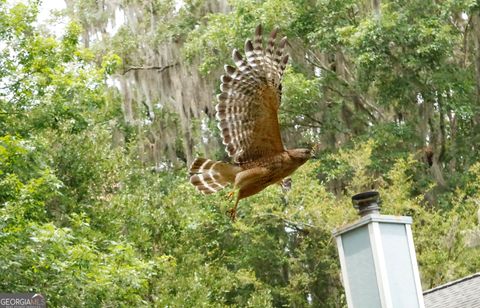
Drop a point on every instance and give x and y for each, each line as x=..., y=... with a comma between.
x=95, y=206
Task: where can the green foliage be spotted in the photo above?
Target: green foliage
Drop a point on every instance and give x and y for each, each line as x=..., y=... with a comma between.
x=439, y=235
x=300, y=96
x=228, y=31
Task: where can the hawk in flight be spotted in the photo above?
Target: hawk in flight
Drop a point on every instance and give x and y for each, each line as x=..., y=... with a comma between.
x=247, y=112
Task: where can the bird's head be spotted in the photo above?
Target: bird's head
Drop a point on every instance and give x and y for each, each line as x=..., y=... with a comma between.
x=300, y=155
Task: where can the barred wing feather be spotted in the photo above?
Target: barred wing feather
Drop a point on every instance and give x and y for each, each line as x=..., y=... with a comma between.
x=248, y=105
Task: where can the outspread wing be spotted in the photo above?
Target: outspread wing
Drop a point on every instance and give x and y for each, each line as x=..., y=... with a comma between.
x=248, y=105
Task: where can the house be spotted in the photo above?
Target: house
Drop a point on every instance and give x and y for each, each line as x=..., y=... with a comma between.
x=461, y=293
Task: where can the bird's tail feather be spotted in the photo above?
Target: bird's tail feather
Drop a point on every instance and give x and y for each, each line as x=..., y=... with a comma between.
x=210, y=176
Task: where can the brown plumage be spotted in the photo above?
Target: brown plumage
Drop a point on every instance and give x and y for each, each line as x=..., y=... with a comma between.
x=248, y=119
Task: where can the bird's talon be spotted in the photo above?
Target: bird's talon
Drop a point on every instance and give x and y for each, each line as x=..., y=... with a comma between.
x=232, y=213
x=230, y=195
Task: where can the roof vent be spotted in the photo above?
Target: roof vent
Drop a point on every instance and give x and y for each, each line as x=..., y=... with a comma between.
x=367, y=203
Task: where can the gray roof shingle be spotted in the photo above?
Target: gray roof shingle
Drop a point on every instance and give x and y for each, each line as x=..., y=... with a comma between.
x=461, y=293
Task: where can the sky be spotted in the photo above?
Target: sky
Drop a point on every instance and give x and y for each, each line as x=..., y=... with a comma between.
x=45, y=13
x=47, y=6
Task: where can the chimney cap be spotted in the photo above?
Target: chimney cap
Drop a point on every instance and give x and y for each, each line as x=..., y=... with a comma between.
x=367, y=202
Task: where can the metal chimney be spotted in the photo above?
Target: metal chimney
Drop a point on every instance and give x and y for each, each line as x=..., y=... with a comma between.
x=377, y=256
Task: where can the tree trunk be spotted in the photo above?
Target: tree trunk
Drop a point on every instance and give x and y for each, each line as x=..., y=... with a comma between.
x=376, y=9
x=476, y=40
